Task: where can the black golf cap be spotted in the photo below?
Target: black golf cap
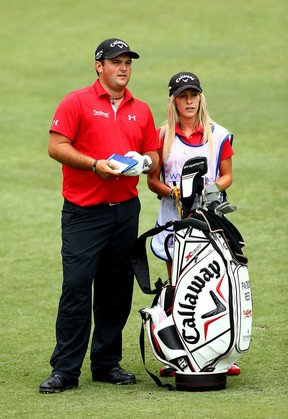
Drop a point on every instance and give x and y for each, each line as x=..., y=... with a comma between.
x=111, y=48
x=182, y=81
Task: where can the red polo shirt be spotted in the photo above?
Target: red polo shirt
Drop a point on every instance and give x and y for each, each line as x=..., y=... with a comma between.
x=87, y=118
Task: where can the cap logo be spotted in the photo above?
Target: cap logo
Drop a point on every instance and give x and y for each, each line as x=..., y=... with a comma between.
x=185, y=78
x=99, y=54
x=120, y=44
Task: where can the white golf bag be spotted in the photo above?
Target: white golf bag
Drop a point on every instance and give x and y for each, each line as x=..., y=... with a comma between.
x=200, y=321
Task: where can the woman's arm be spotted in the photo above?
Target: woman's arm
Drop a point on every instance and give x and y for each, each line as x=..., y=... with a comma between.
x=226, y=175
x=156, y=185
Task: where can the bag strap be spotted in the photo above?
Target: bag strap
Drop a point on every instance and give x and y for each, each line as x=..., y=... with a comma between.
x=166, y=247
x=142, y=349
x=139, y=259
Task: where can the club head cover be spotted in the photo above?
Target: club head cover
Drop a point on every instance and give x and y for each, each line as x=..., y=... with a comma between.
x=192, y=181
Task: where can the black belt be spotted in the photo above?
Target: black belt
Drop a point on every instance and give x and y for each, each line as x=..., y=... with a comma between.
x=111, y=204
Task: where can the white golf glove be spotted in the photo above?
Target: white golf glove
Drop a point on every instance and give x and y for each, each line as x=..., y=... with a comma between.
x=142, y=166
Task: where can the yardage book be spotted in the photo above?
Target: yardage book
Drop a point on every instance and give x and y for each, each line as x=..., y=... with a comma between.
x=125, y=163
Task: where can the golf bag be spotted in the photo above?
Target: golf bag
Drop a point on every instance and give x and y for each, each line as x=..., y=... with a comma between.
x=200, y=320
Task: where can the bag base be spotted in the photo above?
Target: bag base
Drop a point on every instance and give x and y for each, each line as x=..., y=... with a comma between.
x=201, y=381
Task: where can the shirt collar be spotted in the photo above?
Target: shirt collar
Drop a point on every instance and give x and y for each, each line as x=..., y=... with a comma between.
x=179, y=131
x=99, y=89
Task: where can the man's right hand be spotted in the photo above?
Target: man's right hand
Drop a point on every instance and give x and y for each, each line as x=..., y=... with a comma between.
x=106, y=170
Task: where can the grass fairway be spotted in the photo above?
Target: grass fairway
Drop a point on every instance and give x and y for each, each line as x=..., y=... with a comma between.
x=239, y=51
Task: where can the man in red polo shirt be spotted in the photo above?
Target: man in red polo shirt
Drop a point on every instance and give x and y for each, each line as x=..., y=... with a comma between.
x=99, y=217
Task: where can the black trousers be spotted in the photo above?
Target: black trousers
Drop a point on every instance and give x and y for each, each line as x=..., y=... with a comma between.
x=96, y=243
